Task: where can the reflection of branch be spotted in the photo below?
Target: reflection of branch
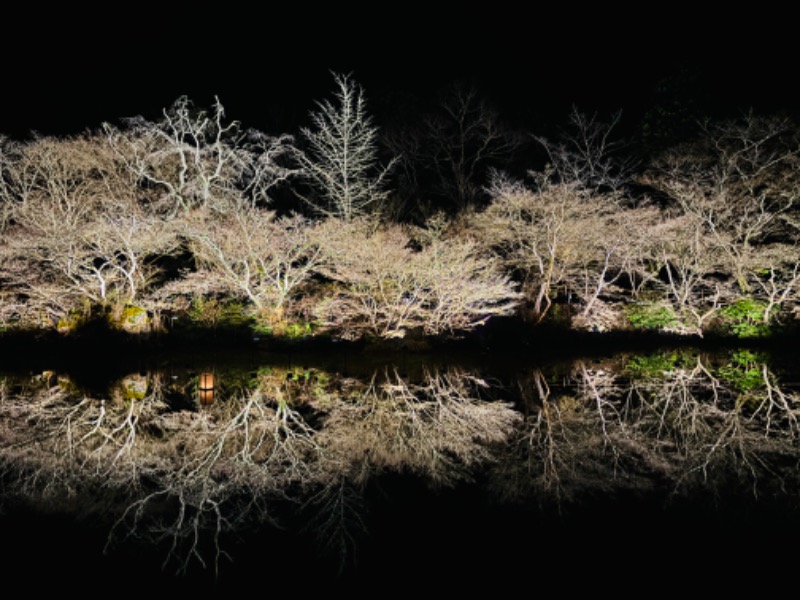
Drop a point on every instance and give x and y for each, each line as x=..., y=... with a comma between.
x=706, y=426
x=196, y=512
x=437, y=427
x=121, y=434
x=185, y=478
x=669, y=421
x=336, y=518
x=601, y=402
x=547, y=437
x=563, y=447
x=776, y=408
x=545, y=440
x=73, y=439
x=257, y=435
x=231, y=462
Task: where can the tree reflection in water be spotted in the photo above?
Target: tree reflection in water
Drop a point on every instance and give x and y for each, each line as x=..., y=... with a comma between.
x=676, y=422
x=311, y=441
x=281, y=446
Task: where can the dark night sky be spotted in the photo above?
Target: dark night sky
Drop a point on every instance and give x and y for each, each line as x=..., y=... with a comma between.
x=72, y=70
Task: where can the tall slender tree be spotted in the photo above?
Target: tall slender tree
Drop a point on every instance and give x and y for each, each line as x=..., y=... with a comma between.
x=341, y=161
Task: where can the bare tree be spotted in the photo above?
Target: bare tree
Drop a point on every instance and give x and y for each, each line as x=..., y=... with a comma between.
x=8, y=157
x=386, y=287
x=690, y=264
x=342, y=162
x=195, y=158
x=777, y=276
x=253, y=254
x=102, y=258
x=528, y=230
x=450, y=153
x=77, y=176
x=562, y=239
x=739, y=180
x=78, y=231
x=588, y=153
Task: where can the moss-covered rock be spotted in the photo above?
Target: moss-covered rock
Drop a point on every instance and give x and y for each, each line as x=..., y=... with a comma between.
x=131, y=319
x=70, y=322
x=132, y=387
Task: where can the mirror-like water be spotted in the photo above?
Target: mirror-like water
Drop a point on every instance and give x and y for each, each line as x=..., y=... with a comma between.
x=227, y=469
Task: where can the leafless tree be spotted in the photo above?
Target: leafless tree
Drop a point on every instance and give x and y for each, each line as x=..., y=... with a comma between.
x=738, y=180
x=589, y=154
x=76, y=176
x=79, y=233
x=562, y=238
x=529, y=232
x=254, y=254
x=342, y=161
x=688, y=267
x=387, y=287
x=101, y=258
x=777, y=277
x=8, y=156
x=197, y=158
x=449, y=154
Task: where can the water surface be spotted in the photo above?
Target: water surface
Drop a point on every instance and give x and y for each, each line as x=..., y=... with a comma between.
x=224, y=468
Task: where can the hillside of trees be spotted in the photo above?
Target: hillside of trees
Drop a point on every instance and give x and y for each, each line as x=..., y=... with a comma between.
x=432, y=226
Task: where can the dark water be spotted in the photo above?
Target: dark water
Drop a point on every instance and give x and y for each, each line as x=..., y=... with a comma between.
x=223, y=470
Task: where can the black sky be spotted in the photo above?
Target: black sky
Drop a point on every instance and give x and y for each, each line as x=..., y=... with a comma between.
x=71, y=69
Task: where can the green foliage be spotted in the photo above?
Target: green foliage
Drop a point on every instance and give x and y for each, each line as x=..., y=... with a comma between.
x=71, y=321
x=743, y=371
x=279, y=327
x=656, y=366
x=261, y=328
x=297, y=374
x=231, y=382
x=745, y=318
x=651, y=316
x=212, y=312
x=131, y=312
x=298, y=330
x=298, y=384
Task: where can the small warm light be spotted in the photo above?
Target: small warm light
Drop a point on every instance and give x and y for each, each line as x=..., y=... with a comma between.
x=206, y=388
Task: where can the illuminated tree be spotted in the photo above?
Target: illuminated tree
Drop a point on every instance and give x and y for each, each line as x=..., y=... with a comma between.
x=385, y=287
x=341, y=162
x=8, y=156
x=561, y=239
x=197, y=158
x=253, y=254
x=79, y=233
x=740, y=180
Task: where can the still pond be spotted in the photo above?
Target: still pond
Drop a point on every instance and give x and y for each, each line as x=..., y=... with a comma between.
x=218, y=470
